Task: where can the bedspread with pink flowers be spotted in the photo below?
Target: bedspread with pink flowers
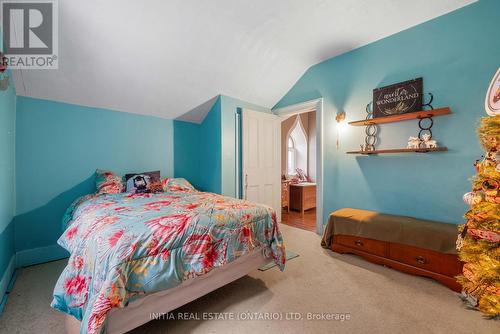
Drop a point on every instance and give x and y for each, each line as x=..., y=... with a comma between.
x=124, y=246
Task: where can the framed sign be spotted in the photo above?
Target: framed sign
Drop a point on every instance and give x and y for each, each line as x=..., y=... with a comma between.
x=400, y=98
x=492, y=101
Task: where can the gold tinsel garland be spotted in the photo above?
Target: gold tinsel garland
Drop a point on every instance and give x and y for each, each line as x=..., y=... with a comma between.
x=489, y=133
x=478, y=242
x=474, y=247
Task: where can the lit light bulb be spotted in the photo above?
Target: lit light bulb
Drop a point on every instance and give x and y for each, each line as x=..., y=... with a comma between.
x=341, y=127
x=340, y=118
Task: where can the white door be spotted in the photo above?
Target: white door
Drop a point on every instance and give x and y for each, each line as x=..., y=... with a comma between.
x=261, y=133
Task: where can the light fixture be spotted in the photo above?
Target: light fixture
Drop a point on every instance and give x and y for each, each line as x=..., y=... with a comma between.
x=340, y=117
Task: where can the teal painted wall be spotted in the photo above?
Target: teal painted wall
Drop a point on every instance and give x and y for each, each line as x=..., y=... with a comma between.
x=457, y=55
x=229, y=106
x=205, y=153
x=187, y=152
x=7, y=178
x=210, y=150
x=58, y=148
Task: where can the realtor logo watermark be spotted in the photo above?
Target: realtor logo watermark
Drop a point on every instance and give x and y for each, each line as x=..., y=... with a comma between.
x=30, y=34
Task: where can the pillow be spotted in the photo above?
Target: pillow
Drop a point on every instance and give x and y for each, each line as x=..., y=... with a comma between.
x=107, y=182
x=177, y=185
x=148, y=182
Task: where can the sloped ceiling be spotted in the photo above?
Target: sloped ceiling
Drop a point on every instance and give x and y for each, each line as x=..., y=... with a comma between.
x=168, y=58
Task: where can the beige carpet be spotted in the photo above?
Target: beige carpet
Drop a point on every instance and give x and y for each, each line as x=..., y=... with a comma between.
x=379, y=300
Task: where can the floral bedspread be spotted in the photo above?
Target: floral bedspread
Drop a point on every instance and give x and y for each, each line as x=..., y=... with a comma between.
x=124, y=246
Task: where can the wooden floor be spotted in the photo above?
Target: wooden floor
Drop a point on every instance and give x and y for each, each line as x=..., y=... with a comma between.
x=294, y=218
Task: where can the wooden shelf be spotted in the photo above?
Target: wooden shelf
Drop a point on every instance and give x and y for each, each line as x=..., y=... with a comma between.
x=403, y=117
x=401, y=150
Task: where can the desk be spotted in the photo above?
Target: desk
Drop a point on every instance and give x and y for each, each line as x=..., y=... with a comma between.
x=303, y=196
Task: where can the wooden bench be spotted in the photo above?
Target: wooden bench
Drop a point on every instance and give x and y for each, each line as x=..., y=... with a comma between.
x=419, y=247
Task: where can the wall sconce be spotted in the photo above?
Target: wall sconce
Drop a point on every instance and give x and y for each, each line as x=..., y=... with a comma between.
x=340, y=117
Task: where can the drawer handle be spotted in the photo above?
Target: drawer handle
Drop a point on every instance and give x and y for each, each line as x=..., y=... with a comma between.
x=358, y=243
x=421, y=260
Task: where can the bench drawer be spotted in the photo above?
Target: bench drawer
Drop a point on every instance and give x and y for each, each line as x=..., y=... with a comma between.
x=371, y=246
x=446, y=264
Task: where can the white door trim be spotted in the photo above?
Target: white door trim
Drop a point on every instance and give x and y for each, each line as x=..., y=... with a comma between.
x=312, y=105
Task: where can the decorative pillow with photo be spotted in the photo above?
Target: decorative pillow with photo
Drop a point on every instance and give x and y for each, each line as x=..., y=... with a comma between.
x=148, y=182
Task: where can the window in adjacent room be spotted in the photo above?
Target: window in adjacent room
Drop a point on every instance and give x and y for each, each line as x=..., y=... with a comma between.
x=296, y=148
x=291, y=156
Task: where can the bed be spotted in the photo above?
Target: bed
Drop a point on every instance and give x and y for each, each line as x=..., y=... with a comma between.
x=134, y=254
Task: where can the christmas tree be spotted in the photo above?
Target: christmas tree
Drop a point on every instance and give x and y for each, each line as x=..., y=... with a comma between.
x=480, y=236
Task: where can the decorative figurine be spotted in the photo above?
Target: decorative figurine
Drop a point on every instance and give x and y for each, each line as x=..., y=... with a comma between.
x=367, y=147
x=413, y=142
x=427, y=142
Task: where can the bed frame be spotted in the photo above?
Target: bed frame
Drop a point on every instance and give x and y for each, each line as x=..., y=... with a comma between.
x=139, y=311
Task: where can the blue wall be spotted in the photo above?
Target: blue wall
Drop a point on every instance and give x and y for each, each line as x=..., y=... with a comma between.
x=211, y=166
x=456, y=55
x=197, y=150
x=205, y=153
x=187, y=152
x=210, y=150
x=7, y=183
x=58, y=148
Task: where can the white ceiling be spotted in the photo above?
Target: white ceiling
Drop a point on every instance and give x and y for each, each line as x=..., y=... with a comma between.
x=166, y=58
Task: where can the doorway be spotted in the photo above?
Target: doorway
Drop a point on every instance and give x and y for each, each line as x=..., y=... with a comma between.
x=301, y=165
x=298, y=170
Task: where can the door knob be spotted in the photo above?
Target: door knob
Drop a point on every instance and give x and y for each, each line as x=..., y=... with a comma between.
x=246, y=186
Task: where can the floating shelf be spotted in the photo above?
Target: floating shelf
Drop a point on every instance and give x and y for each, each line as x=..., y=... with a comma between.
x=401, y=150
x=403, y=117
